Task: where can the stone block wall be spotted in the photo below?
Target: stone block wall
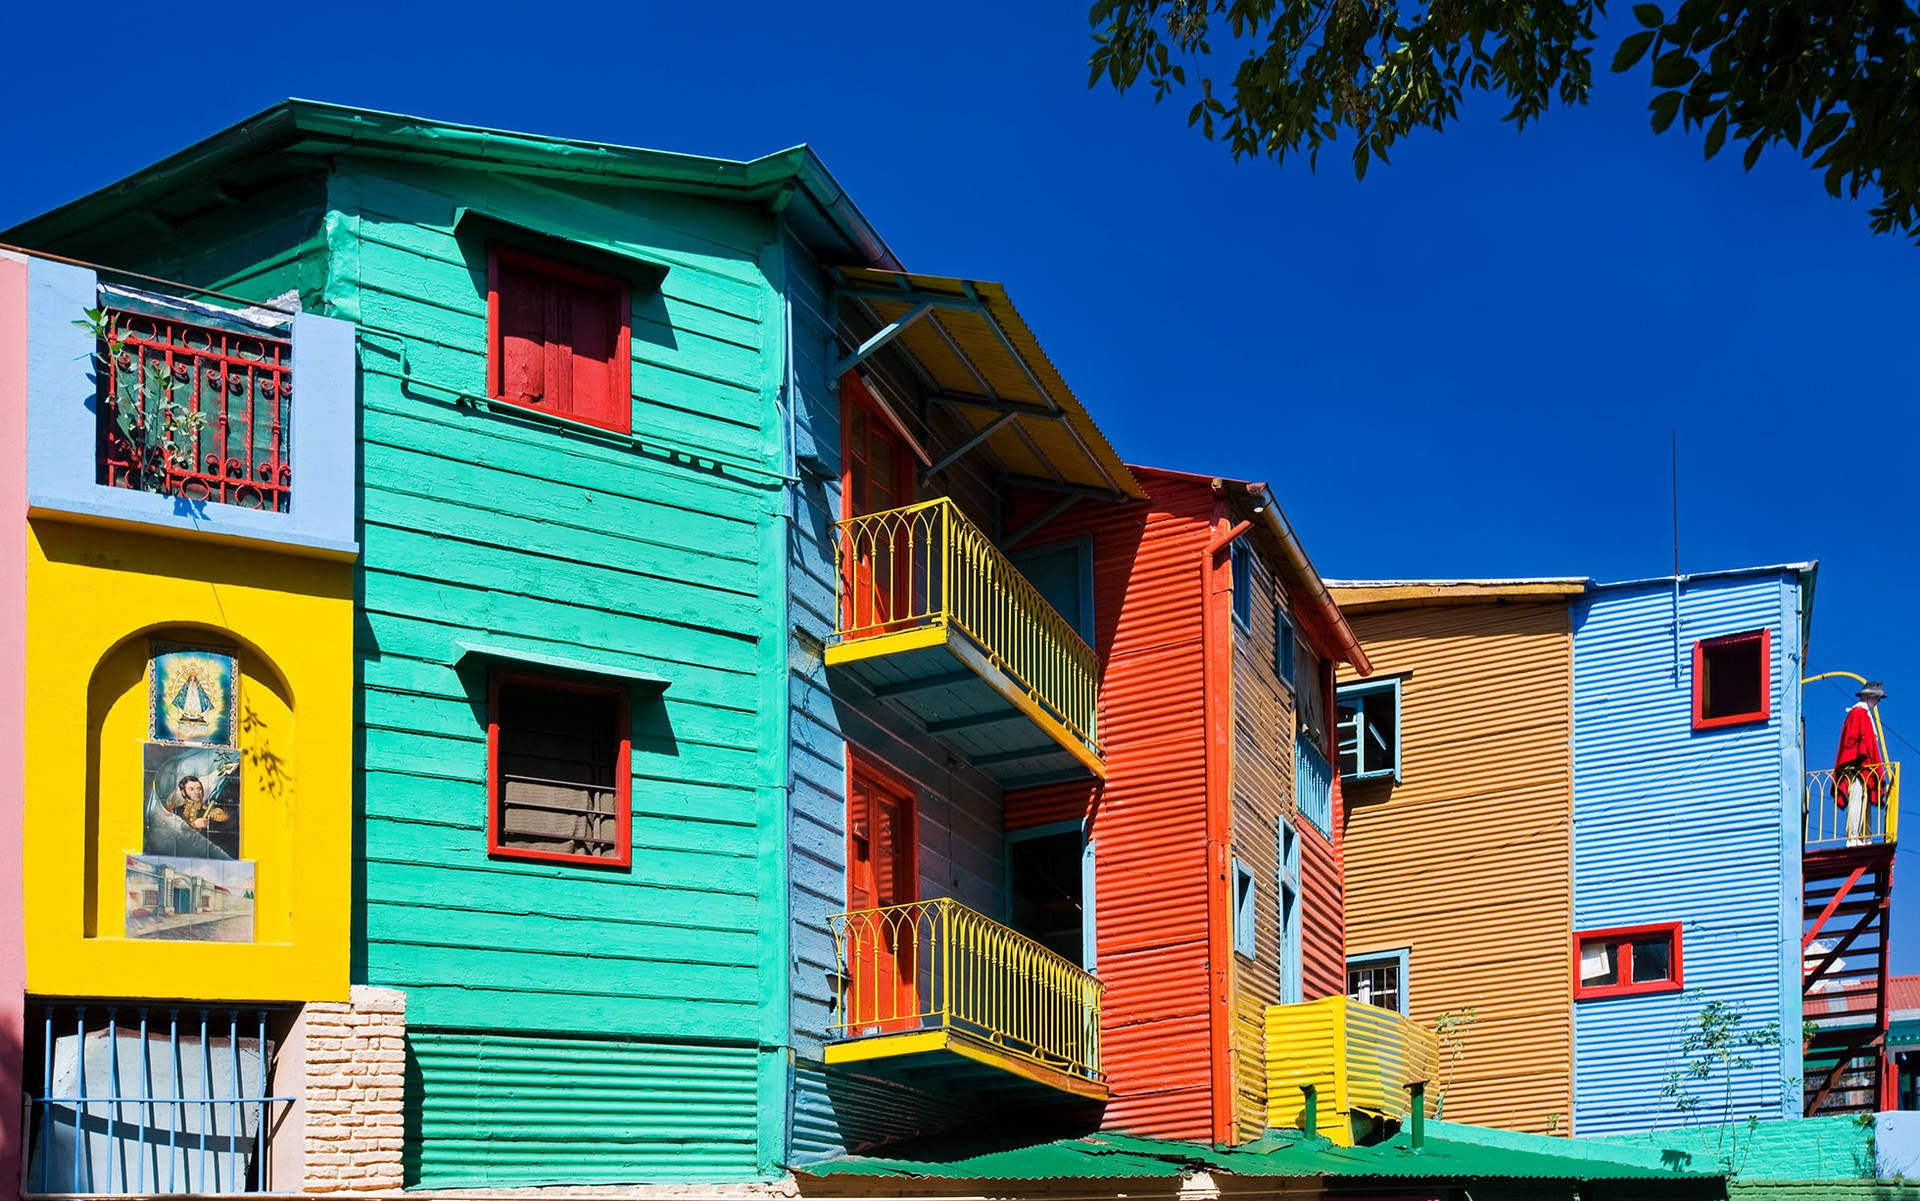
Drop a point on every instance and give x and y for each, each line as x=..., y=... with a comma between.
x=354, y=1056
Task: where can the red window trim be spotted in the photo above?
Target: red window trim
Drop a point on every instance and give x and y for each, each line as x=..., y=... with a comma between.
x=622, y=364
x=1765, y=712
x=1627, y=988
x=622, y=772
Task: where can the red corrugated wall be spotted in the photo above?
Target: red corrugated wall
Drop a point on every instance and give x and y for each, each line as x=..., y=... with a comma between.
x=1153, y=879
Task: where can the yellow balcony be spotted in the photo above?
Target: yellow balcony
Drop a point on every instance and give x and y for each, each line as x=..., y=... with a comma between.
x=1357, y=1058
x=955, y=1000
x=1831, y=825
x=934, y=618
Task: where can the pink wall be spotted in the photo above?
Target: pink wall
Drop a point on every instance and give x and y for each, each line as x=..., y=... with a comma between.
x=13, y=655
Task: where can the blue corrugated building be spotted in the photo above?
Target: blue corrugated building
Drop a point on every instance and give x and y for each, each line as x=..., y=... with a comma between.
x=1688, y=771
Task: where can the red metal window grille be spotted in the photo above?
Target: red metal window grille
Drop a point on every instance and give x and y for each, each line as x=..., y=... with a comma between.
x=196, y=412
x=559, y=339
x=559, y=771
x=1733, y=679
x=1627, y=961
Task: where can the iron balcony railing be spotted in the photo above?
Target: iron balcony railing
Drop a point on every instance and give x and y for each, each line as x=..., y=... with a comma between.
x=192, y=410
x=938, y=965
x=926, y=565
x=1861, y=807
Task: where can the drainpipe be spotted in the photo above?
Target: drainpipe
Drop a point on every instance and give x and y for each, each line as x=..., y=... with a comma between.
x=1310, y=1110
x=1216, y=592
x=1417, y=1091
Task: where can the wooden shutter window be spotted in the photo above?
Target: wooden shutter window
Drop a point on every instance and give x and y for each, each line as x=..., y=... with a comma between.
x=559, y=772
x=559, y=339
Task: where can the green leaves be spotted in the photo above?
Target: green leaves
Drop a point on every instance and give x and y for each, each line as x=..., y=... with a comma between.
x=1633, y=49
x=1306, y=74
x=1665, y=107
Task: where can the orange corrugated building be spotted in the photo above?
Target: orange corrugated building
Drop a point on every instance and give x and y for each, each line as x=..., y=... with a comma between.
x=1464, y=791
x=1217, y=872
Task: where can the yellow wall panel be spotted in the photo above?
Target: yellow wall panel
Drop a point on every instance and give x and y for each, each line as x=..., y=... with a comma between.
x=1467, y=860
x=96, y=595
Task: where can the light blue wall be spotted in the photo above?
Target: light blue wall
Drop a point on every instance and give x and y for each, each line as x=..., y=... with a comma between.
x=62, y=435
x=1700, y=827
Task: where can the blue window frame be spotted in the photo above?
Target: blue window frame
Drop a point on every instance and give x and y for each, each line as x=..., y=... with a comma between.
x=1282, y=644
x=1379, y=979
x=1037, y=863
x=1062, y=573
x=1369, y=724
x=1290, y=963
x=1241, y=560
x=1312, y=784
x=1244, y=896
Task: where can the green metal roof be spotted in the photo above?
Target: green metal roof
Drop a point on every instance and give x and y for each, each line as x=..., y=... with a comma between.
x=305, y=129
x=1452, y=1152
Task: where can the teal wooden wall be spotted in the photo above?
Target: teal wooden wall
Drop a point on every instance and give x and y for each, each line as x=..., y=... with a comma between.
x=526, y=981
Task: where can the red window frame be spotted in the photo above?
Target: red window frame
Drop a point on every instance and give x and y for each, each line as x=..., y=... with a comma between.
x=1626, y=936
x=622, y=771
x=620, y=366
x=1701, y=721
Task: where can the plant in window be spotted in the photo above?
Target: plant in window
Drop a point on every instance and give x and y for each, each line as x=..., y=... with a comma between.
x=178, y=425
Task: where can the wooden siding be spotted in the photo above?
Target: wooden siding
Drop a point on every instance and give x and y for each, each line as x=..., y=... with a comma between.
x=548, y=540
x=962, y=840
x=1152, y=877
x=1700, y=827
x=1466, y=860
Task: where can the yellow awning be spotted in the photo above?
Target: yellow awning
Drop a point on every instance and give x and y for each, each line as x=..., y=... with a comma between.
x=987, y=367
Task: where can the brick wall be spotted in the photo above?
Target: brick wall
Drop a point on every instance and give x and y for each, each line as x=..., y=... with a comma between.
x=354, y=1056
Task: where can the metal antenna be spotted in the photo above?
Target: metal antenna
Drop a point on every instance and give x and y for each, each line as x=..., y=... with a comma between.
x=1676, y=503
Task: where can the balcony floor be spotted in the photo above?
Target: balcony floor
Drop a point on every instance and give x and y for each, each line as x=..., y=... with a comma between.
x=954, y=1060
x=940, y=678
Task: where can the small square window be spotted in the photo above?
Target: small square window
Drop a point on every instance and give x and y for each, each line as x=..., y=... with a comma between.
x=1282, y=645
x=559, y=339
x=1379, y=980
x=1630, y=960
x=558, y=772
x=1243, y=910
x=1733, y=680
x=1241, y=560
x=1369, y=725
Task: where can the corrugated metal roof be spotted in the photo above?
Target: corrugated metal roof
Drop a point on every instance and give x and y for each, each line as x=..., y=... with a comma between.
x=1903, y=996
x=984, y=363
x=1360, y=596
x=1805, y=568
x=1451, y=1152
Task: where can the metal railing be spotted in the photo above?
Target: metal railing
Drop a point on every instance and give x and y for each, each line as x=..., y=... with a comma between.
x=147, y=1099
x=927, y=565
x=189, y=409
x=1873, y=822
x=931, y=965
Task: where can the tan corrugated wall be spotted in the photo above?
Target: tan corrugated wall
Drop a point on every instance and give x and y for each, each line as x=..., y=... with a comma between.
x=1468, y=860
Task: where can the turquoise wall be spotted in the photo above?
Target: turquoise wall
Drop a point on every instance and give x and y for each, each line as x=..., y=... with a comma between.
x=627, y=552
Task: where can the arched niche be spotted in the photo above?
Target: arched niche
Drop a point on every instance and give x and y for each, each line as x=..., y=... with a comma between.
x=120, y=785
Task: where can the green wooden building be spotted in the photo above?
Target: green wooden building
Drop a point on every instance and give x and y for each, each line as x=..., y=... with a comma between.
x=572, y=643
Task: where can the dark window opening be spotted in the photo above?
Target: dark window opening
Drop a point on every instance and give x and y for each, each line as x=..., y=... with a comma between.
x=1731, y=679
x=560, y=771
x=1047, y=885
x=1283, y=649
x=1242, y=563
x=1375, y=980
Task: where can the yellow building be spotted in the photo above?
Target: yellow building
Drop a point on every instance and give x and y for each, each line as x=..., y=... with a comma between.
x=1456, y=768
x=178, y=658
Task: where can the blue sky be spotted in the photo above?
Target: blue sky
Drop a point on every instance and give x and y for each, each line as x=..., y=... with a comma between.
x=1467, y=365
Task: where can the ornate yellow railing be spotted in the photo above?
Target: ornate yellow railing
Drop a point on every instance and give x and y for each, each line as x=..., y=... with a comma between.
x=927, y=565
x=931, y=965
x=1875, y=822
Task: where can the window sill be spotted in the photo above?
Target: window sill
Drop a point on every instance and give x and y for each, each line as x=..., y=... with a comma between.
x=1602, y=992
x=1738, y=719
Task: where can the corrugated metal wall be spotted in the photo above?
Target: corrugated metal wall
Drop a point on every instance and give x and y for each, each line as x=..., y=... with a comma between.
x=495, y=1110
x=1150, y=823
x=1263, y=793
x=1698, y=827
x=1466, y=860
